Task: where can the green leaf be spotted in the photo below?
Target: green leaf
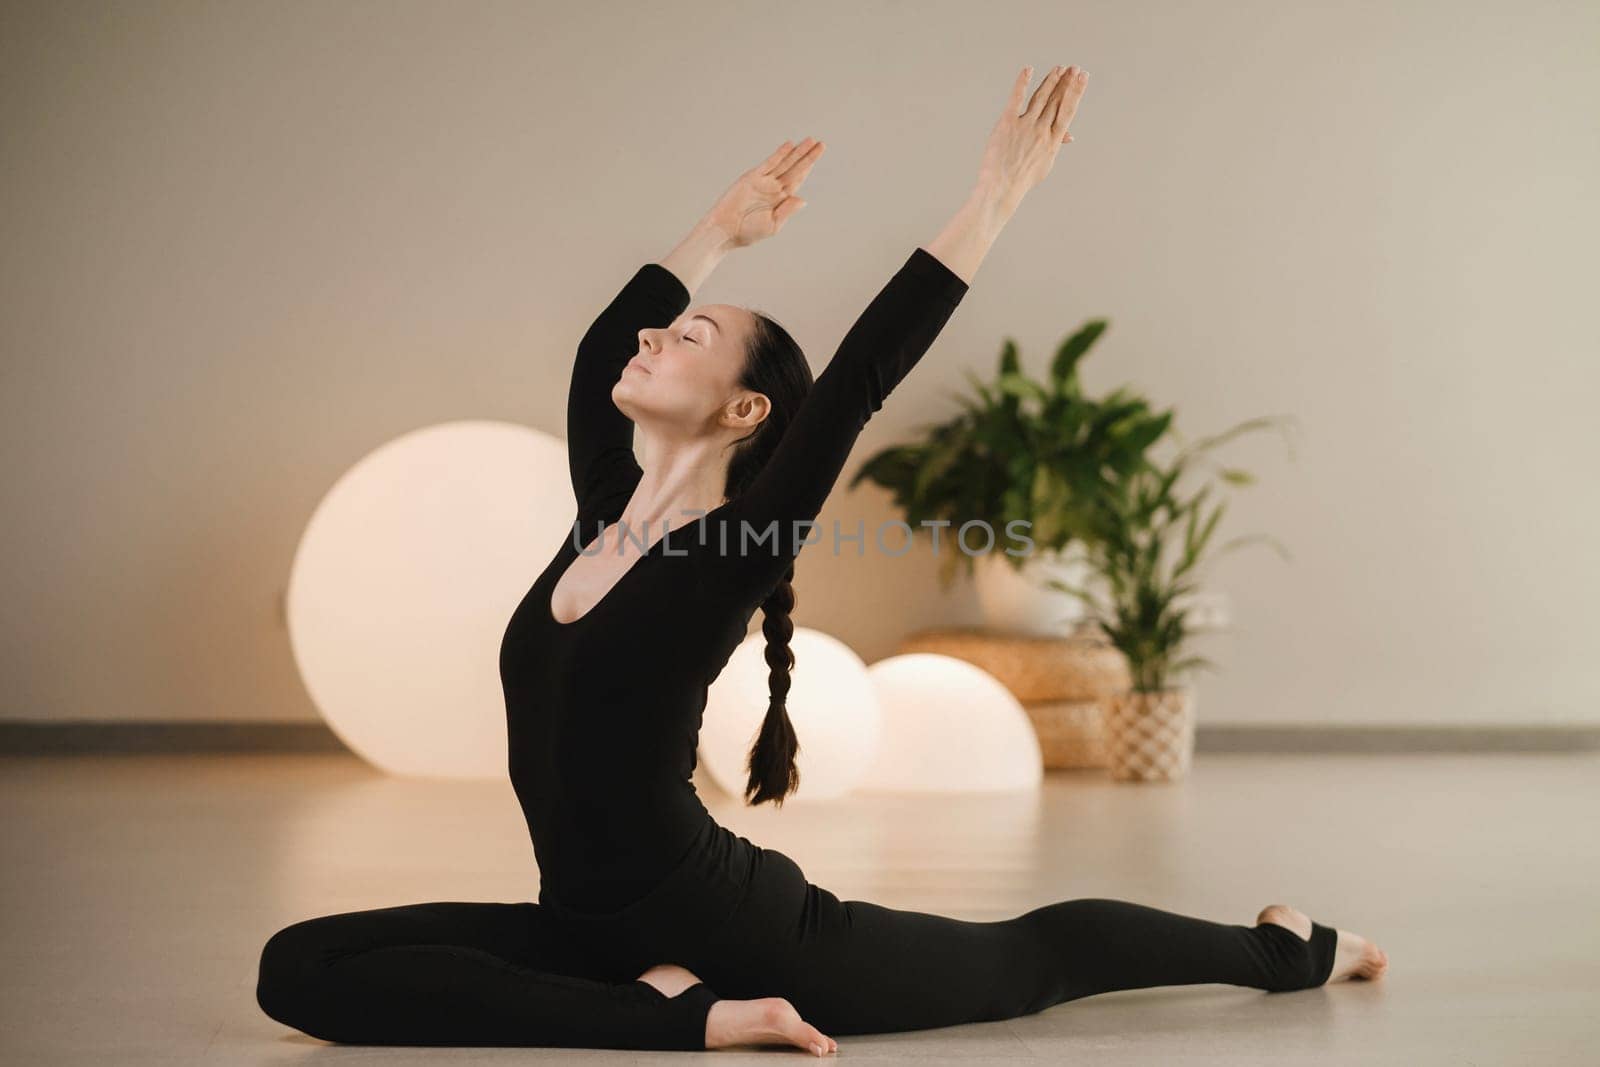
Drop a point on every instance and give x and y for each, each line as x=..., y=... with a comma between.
x=990, y=400
x=1207, y=443
x=1245, y=539
x=1189, y=663
x=1009, y=363
x=1022, y=387
x=1235, y=476
x=1064, y=367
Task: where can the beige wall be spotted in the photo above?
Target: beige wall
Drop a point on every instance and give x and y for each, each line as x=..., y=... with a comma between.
x=244, y=244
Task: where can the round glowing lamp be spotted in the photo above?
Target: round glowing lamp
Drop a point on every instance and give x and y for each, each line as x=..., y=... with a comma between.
x=831, y=703
x=949, y=727
x=403, y=583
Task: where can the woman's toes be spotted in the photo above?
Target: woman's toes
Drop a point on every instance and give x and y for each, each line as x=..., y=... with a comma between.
x=819, y=1042
x=767, y=1021
x=1374, y=962
x=1356, y=957
x=784, y=1023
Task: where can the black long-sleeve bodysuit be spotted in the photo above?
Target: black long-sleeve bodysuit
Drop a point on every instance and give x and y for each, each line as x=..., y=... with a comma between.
x=602, y=718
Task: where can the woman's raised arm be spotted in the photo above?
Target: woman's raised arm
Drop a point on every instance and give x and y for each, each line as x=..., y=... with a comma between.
x=599, y=436
x=1021, y=150
x=762, y=528
x=765, y=525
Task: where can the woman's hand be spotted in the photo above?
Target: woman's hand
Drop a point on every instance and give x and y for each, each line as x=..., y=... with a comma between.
x=1022, y=147
x=762, y=199
x=1020, y=151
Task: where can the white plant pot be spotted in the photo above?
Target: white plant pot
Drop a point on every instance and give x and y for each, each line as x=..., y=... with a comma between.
x=1019, y=600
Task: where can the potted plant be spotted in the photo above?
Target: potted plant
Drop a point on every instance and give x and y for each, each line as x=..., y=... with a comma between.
x=1021, y=449
x=1146, y=542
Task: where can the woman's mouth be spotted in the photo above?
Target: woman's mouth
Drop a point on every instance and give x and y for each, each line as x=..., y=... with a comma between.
x=637, y=364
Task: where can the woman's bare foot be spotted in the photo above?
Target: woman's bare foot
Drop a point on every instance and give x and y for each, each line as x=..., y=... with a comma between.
x=768, y=1021
x=1353, y=957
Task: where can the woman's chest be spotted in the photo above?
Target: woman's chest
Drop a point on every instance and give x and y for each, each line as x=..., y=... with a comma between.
x=606, y=623
x=581, y=581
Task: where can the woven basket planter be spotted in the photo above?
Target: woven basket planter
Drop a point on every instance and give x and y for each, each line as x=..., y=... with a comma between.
x=1150, y=736
x=1071, y=732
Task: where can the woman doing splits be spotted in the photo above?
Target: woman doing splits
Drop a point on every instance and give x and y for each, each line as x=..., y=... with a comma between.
x=656, y=927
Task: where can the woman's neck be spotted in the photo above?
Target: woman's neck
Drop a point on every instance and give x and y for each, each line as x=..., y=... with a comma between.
x=680, y=483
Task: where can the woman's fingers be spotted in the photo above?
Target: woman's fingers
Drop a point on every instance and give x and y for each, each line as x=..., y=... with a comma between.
x=1018, y=87
x=793, y=156
x=1067, y=105
x=1041, y=95
x=766, y=165
x=1052, y=104
x=1021, y=148
x=1038, y=94
x=795, y=172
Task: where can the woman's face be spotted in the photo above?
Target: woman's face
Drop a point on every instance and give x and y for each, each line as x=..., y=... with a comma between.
x=684, y=375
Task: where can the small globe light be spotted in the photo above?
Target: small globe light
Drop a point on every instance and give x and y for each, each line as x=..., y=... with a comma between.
x=403, y=583
x=831, y=703
x=949, y=727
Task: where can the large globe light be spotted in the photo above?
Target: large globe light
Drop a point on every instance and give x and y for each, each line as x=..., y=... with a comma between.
x=949, y=727
x=404, y=581
x=831, y=703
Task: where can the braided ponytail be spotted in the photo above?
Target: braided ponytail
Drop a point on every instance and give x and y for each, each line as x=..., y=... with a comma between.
x=775, y=367
x=773, y=773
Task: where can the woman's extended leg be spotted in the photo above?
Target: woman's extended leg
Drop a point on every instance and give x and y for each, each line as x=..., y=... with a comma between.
x=857, y=967
x=461, y=973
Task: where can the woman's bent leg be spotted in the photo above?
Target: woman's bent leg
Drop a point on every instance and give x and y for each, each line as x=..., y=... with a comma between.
x=461, y=973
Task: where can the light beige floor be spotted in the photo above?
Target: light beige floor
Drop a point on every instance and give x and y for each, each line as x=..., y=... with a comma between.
x=138, y=890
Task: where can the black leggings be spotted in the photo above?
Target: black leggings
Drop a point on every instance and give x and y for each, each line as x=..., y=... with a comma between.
x=749, y=924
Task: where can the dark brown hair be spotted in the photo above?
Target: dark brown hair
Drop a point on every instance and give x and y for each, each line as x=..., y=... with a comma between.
x=775, y=367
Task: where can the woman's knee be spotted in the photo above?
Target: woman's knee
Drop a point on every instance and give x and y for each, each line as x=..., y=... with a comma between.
x=286, y=976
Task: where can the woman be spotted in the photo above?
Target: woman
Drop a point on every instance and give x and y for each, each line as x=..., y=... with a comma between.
x=656, y=927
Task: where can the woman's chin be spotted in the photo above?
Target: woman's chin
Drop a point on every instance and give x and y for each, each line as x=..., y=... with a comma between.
x=628, y=399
